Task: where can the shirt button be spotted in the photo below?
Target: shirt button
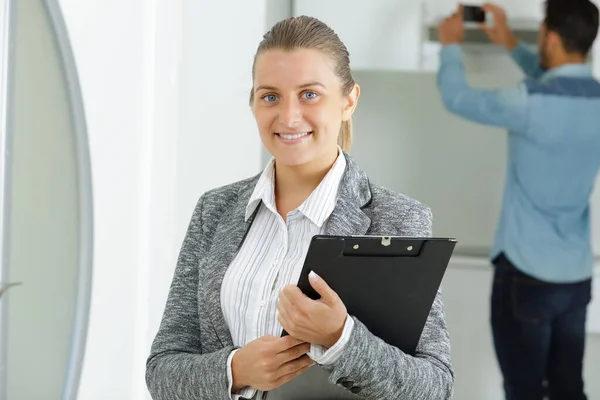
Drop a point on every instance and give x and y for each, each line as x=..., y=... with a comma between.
x=263, y=303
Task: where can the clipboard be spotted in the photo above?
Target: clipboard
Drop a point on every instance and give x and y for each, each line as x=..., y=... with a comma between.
x=388, y=283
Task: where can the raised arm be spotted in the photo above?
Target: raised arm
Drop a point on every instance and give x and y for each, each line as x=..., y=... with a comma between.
x=497, y=107
x=383, y=371
x=501, y=34
x=177, y=367
x=528, y=60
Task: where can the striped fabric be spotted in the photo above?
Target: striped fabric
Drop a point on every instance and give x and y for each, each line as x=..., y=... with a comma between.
x=272, y=257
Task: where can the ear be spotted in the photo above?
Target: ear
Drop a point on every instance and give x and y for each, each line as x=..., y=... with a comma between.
x=553, y=40
x=351, y=102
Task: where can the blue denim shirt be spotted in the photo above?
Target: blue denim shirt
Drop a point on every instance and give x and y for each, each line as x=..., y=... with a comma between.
x=553, y=123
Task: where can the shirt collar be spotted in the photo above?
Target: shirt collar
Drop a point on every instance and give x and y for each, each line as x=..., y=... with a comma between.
x=317, y=207
x=568, y=70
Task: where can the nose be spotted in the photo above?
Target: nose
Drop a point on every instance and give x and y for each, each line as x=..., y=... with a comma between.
x=290, y=112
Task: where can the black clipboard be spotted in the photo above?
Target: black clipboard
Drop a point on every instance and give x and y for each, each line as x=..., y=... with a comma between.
x=388, y=282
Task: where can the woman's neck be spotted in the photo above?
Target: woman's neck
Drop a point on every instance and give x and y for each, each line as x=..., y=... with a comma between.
x=293, y=184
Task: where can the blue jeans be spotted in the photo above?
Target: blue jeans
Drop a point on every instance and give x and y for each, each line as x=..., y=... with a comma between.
x=539, y=334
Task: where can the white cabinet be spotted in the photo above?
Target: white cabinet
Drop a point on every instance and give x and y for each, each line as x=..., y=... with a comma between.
x=380, y=34
x=519, y=10
x=467, y=289
x=398, y=34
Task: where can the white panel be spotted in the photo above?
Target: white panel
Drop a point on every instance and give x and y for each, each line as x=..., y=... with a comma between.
x=466, y=289
x=380, y=34
x=593, y=321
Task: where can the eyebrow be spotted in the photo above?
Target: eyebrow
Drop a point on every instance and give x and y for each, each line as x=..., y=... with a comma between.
x=305, y=85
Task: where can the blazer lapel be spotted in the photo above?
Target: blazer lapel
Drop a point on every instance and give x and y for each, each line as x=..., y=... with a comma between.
x=229, y=235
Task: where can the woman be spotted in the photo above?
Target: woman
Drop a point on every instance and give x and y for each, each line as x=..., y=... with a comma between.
x=234, y=285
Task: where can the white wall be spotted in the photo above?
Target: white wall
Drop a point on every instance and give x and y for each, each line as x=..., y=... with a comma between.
x=151, y=162
x=217, y=126
x=114, y=67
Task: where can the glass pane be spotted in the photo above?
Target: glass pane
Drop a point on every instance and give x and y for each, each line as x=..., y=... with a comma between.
x=44, y=212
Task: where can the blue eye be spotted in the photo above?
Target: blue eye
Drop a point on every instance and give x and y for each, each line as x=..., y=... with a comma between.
x=270, y=98
x=309, y=95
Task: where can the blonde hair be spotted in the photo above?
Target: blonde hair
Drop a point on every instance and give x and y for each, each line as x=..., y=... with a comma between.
x=310, y=33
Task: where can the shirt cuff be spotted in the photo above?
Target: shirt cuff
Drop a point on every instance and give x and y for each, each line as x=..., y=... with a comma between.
x=323, y=356
x=245, y=393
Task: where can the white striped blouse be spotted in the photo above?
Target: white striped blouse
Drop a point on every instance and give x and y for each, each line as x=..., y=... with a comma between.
x=272, y=257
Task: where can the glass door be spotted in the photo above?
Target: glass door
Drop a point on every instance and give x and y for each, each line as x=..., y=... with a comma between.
x=45, y=200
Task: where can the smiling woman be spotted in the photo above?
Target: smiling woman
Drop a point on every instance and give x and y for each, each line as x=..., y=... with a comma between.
x=300, y=118
x=220, y=337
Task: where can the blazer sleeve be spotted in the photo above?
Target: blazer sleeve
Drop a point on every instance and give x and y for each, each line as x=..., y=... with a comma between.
x=376, y=370
x=177, y=368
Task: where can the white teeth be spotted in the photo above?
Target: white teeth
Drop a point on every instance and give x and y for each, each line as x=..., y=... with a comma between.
x=294, y=136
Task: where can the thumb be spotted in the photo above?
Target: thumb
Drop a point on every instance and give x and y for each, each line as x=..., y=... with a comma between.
x=328, y=296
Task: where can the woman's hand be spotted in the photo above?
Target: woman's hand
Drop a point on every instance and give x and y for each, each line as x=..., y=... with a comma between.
x=268, y=362
x=314, y=321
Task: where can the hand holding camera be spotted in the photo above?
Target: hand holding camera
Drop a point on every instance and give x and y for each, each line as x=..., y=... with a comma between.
x=499, y=32
x=451, y=29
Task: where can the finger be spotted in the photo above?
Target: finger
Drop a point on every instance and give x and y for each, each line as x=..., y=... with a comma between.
x=286, y=327
x=491, y=8
x=292, y=293
x=285, y=343
x=328, y=296
x=291, y=368
x=294, y=301
x=293, y=353
x=284, y=308
x=287, y=297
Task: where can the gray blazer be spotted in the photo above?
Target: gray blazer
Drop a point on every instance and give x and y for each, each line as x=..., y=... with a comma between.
x=188, y=359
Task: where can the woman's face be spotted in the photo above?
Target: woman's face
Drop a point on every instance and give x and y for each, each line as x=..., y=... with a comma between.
x=299, y=105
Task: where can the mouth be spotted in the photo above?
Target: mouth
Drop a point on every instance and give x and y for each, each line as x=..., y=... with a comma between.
x=293, y=137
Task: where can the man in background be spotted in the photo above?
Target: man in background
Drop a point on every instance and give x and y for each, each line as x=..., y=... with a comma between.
x=542, y=249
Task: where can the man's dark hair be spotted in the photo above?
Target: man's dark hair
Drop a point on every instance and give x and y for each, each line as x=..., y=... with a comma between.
x=575, y=21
